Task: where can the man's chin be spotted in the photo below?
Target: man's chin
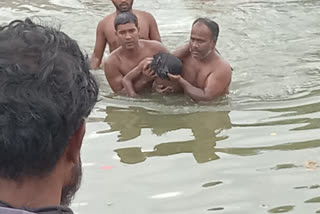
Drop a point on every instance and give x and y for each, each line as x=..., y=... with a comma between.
x=195, y=56
x=130, y=47
x=123, y=9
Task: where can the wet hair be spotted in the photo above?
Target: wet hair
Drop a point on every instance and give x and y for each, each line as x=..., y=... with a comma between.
x=213, y=26
x=125, y=18
x=164, y=63
x=46, y=91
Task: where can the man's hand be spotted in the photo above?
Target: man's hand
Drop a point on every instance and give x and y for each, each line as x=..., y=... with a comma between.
x=94, y=63
x=144, y=64
x=175, y=78
x=146, y=70
x=149, y=73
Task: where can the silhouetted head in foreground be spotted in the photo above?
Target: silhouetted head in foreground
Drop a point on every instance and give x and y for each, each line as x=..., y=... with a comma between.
x=46, y=92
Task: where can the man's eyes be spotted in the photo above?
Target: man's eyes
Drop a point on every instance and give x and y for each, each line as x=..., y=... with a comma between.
x=197, y=40
x=124, y=32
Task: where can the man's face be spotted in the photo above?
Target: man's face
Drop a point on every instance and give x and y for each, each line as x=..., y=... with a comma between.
x=123, y=5
x=69, y=191
x=128, y=35
x=201, y=43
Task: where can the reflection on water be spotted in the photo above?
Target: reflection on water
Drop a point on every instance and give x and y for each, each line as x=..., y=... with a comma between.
x=283, y=209
x=207, y=129
x=205, y=126
x=313, y=200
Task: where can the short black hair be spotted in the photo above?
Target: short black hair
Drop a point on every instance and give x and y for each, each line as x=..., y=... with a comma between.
x=46, y=91
x=213, y=26
x=125, y=18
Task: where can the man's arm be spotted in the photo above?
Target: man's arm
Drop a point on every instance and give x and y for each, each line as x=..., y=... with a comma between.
x=113, y=74
x=127, y=81
x=216, y=85
x=153, y=29
x=182, y=52
x=142, y=70
x=99, y=48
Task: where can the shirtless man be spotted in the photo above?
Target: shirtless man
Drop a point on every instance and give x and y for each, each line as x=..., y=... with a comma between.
x=127, y=69
x=205, y=75
x=105, y=30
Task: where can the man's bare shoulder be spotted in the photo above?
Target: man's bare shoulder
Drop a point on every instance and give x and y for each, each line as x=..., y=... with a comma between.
x=153, y=44
x=145, y=15
x=113, y=59
x=224, y=65
x=222, y=68
x=107, y=19
x=142, y=13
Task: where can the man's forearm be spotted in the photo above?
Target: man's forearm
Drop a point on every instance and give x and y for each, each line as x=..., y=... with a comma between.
x=140, y=84
x=195, y=93
x=127, y=81
x=95, y=62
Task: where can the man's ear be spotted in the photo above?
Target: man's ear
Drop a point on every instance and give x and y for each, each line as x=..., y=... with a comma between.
x=213, y=44
x=75, y=143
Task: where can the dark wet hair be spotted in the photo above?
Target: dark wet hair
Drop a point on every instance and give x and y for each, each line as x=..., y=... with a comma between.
x=46, y=90
x=125, y=18
x=164, y=63
x=213, y=26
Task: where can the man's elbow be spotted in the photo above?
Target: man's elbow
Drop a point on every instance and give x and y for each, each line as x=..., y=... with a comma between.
x=205, y=97
x=155, y=36
x=125, y=82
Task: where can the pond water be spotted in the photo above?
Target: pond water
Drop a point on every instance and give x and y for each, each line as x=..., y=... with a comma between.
x=254, y=151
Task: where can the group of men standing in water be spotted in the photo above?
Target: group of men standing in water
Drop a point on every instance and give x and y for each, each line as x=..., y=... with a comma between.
x=47, y=91
x=133, y=39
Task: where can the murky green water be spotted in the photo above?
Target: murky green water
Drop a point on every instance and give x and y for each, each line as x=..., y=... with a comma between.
x=247, y=153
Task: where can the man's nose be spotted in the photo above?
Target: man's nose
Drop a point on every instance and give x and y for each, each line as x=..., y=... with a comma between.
x=194, y=44
x=128, y=36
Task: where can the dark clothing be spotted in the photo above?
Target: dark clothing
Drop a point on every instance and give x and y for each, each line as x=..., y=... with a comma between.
x=8, y=209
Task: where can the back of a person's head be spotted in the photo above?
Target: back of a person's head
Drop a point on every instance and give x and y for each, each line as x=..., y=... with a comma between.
x=212, y=25
x=166, y=63
x=125, y=18
x=46, y=90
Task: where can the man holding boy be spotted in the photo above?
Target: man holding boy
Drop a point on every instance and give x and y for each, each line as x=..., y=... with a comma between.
x=205, y=75
x=127, y=69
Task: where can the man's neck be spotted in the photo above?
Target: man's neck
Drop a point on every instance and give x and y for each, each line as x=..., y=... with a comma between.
x=33, y=192
x=209, y=56
x=134, y=52
x=118, y=11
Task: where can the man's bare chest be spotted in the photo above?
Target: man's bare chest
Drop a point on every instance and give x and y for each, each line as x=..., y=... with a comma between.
x=127, y=65
x=196, y=73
